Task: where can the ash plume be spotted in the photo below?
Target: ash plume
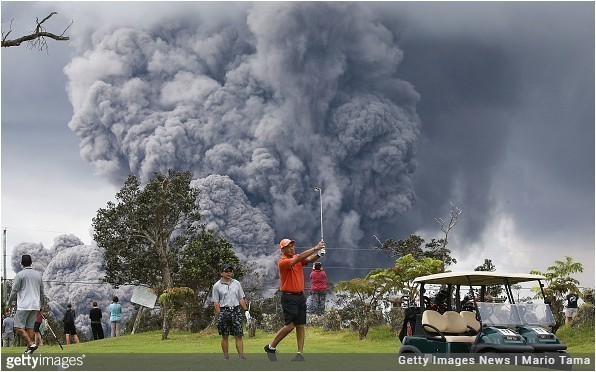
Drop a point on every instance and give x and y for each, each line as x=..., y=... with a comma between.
x=73, y=273
x=261, y=109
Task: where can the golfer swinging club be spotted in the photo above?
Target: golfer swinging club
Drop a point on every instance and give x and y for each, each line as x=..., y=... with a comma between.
x=293, y=301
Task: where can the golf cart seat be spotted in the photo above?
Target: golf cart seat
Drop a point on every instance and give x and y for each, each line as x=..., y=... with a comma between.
x=471, y=321
x=449, y=327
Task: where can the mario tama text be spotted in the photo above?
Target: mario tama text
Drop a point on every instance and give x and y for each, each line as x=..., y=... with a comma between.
x=537, y=360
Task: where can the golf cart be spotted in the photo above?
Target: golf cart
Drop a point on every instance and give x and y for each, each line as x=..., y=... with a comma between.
x=449, y=325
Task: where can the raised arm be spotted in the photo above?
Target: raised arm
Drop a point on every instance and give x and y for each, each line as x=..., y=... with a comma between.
x=308, y=255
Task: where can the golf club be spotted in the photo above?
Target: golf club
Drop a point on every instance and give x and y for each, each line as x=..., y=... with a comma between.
x=321, y=198
x=51, y=330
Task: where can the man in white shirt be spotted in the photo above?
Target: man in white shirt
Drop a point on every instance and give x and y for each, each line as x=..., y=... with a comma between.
x=27, y=290
x=228, y=300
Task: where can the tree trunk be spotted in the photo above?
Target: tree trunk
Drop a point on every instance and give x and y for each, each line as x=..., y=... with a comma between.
x=557, y=309
x=252, y=328
x=168, y=283
x=363, y=331
x=137, y=320
x=165, y=329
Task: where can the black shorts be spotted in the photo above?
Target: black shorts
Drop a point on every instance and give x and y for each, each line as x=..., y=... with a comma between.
x=294, y=308
x=36, y=327
x=69, y=329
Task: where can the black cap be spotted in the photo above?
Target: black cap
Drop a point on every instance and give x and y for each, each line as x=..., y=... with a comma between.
x=26, y=260
x=226, y=266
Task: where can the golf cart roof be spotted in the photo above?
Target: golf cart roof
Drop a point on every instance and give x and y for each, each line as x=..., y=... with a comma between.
x=477, y=278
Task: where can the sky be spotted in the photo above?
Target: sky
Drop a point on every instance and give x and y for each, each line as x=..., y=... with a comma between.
x=394, y=109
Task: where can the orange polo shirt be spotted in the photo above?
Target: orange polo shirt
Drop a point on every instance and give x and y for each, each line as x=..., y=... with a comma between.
x=291, y=277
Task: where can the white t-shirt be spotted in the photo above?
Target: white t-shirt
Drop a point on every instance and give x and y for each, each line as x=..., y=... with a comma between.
x=27, y=289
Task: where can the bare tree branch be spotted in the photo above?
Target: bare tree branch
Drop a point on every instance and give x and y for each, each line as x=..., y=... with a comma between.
x=455, y=212
x=37, y=39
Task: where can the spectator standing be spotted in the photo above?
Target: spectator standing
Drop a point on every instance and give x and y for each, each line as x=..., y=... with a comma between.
x=69, y=325
x=572, y=305
x=115, y=317
x=37, y=326
x=95, y=317
x=293, y=302
x=27, y=290
x=7, y=330
x=229, y=303
x=318, y=288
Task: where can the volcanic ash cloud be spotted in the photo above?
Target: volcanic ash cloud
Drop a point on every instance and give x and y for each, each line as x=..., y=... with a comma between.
x=293, y=96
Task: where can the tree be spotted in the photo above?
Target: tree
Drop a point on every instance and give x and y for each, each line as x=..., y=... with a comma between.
x=200, y=268
x=365, y=294
x=441, y=246
x=399, y=248
x=144, y=233
x=558, y=282
x=36, y=39
x=517, y=288
x=400, y=278
x=369, y=291
x=495, y=290
x=202, y=259
x=436, y=249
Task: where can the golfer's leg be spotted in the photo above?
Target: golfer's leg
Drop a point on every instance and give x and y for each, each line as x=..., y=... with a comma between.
x=300, y=332
x=281, y=334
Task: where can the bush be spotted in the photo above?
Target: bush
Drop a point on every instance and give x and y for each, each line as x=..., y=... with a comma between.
x=395, y=318
x=315, y=320
x=332, y=320
x=585, y=315
x=271, y=323
x=588, y=296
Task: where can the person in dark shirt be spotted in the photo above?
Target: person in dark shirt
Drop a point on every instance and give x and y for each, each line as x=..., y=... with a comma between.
x=69, y=324
x=96, y=327
x=571, y=309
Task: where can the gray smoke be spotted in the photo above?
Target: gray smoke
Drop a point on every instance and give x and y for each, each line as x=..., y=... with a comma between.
x=261, y=110
x=73, y=273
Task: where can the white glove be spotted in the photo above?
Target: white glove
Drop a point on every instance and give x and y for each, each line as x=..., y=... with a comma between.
x=247, y=315
x=321, y=252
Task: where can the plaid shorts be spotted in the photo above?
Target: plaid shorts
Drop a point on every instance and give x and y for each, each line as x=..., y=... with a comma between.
x=229, y=321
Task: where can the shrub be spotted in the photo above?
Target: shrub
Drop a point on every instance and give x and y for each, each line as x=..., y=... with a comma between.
x=332, y=320
x=395, y=318
x=271, y=322
x=588, y=296
x=585, y=315
x=315, y=320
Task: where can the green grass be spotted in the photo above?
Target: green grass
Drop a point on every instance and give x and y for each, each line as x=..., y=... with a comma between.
x=379, y=340
x=578, y=340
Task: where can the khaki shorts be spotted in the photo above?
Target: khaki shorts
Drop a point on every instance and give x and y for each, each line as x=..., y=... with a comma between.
x=570, y=312
x=25, y=318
